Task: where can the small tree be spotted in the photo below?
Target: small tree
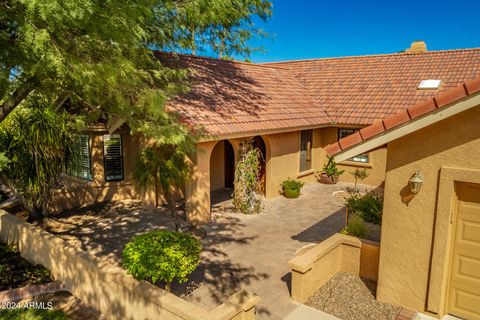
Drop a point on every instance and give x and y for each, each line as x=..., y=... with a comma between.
x=40, y=144
x=164, y=165
x=162, y=256
x=359, y=174
x=245, y=199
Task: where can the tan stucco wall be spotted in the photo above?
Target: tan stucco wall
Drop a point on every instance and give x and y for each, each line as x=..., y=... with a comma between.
x=82, y=192
x=408, y=236
x=375, y=167
x=284, y=159
x=314, y=265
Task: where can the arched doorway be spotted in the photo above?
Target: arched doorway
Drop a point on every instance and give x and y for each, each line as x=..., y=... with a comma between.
x=259, y=143
x=222, y=171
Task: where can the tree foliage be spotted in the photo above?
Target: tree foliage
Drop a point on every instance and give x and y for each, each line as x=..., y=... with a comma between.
x=40, y=143
x=162, y=256
x=99, y=53
x=164, y=165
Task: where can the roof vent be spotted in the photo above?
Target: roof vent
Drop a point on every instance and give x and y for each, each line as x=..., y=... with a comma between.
x=429, y=84
x=417, y=46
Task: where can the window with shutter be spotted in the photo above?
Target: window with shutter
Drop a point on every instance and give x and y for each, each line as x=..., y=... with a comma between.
x=83, y=168
x=305, y=150
x=113, y=157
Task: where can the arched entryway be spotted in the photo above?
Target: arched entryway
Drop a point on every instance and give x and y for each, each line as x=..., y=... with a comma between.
x=259, y=143
x=222, y=171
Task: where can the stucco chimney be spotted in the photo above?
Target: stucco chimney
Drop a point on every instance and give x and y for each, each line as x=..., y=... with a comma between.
x=417, y=46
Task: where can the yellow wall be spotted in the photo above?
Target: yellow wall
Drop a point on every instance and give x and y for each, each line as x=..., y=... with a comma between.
x=408, y=221
x=375, y=168
x=283, y=159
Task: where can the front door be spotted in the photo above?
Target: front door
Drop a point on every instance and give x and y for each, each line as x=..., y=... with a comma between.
x=464, y=287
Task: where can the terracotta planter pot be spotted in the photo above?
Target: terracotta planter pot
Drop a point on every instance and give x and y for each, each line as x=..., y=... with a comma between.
x=323, y=178
x=290, y=193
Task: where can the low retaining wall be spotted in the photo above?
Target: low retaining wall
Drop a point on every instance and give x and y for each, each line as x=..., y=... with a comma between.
x=108, y=288
x=312, y=268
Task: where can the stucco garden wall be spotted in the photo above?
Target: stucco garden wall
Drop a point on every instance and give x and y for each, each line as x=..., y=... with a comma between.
x=108, y=288
x=375, y=167
x=407, y=276
x=315, y=265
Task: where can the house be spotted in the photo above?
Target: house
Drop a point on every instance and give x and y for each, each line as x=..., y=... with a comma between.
x=290, y=110
x=430, y=242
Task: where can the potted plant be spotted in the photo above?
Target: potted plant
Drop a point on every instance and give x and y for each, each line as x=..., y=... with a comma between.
x=330, y=172
x=291, y=188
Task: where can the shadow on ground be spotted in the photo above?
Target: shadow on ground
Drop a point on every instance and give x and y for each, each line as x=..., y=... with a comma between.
x=103, y=229
x=323, y=229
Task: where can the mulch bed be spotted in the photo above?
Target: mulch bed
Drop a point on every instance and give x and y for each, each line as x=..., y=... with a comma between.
x=347, y=297
x=17, y=272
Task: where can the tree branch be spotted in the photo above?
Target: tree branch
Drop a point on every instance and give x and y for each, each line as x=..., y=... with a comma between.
x=18, y=96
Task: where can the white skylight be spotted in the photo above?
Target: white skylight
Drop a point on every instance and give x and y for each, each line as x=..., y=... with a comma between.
x=429, y=84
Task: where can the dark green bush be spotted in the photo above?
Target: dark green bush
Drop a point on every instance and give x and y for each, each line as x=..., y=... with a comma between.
x=17, y=272
x=162, y=256
x=292, y=184
x=369, y=206
x=31, y=314
x=356, y=227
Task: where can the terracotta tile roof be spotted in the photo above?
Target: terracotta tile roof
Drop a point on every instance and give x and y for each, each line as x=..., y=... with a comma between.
x=233, y=97
x=360, y=90
x=440, y=100
x=229, y=98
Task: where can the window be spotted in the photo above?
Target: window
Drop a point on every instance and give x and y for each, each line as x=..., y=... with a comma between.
x=113, y=157
x=305, y=150
x=83, y=168
x=342, y=133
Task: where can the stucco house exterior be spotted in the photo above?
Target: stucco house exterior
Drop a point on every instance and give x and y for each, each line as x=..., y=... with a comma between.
x=292, y=110
x=430, y=240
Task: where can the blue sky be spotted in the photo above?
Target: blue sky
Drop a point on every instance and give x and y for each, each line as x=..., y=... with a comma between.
x=302, y=29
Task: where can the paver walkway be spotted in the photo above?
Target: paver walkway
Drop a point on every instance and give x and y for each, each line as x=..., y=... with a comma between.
x=240, y=251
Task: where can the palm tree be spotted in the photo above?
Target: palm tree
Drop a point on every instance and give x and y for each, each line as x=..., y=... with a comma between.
x=40, y=144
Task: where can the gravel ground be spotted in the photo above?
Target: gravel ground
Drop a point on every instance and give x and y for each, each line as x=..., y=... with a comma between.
x=347, y=297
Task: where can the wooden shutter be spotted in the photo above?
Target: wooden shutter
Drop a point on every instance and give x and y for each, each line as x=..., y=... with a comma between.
x=85, y=171
x=113, y=157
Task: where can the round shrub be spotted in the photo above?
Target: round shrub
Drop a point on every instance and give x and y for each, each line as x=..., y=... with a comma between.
x=162, y=256
x=291, y=188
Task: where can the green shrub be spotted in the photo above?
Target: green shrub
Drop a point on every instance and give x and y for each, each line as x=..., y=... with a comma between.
x=369, y=206
x=292, y=184
x=246, y=182
x=356, y=227
x=162, y=256
x=17, y=272
x=331, y=169
x=31, y=314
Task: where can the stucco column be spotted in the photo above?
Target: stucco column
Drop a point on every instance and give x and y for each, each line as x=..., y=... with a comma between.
x=197, y=190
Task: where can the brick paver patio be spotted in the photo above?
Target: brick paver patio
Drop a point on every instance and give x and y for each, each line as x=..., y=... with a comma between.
x=240, y=251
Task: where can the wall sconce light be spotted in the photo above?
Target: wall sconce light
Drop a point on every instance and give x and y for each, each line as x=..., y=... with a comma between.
x=416, y=182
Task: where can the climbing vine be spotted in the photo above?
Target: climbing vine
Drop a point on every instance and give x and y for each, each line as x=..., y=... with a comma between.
x=245, y=199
